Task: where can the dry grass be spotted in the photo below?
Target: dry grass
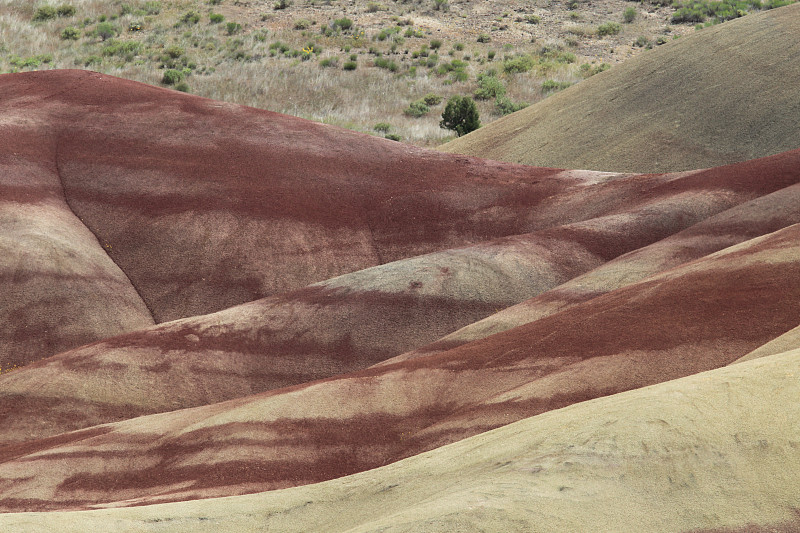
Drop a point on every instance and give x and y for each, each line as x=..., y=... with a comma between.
x=239, y=68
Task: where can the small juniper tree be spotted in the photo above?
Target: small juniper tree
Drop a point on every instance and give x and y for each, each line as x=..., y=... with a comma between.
x=460, y=115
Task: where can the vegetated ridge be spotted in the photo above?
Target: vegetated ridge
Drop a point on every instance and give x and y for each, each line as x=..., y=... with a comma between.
x=728, y=93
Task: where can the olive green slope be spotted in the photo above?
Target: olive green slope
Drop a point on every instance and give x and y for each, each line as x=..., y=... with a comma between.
x=725, y=94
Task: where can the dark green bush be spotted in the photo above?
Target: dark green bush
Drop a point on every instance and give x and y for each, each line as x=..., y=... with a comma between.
x=436, y=44
x=329, y=62
x=190, y=17
x=70, y=33
x=215, y=18
x=629, y=14
x=553, y=85
x=505, y=106
x=460, y=115
x=382, y=62
x=484, y=38
x=233, y=28
x=45, y=13
x=417, y=109
x=489, y=87
x=281, y=4
x=393, y=137
x=382, y=127
x=104, y=30
x=588, y=70
x=609, y=28
x=432, y=99
x=182, y=87
x=350, y=65
x=343, y=24
x=171, y=77
x=518, y=64
x=65, y=10
x=126, y=49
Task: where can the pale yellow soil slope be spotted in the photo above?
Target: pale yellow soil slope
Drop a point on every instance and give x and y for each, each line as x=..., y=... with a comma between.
x=714, y=450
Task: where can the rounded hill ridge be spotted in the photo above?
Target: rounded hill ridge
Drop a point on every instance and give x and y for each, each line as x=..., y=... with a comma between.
x=725, y=94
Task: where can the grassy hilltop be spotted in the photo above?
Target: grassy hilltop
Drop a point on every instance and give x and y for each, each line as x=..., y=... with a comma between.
x=379, y=67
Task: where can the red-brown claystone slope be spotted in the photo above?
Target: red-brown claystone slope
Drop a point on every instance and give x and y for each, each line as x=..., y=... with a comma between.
x=360, y=319
x=695, y=317
x=206, y=205
x=758, y=217
x=59, y=287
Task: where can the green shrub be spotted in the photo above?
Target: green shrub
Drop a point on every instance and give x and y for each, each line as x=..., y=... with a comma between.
x=45, y=13
x=552, y=85
x=441, y=5
x=372, y=7
x=460, y=115
x=533, y=19
x=629, y=14
x=174, y=51
x=609, y=28
x=393, y=137
x=343, y=24
x=92, y=60
x=484, y=38
x=490, y=55
x=215, y=18
x=588, y=70
x=126, y=49
x=382, y=127
x=329, y=62
x=417, y=109
x=104, y=30
x=505, y=106
x=171, y=77
x=233, y=28
x=642, y=42
x=190, y=17
x=182, y=87
x=70, y=33
x=432, y=99
x=489, y=87
x=65, y=10
x=302, y=24
x=436, y=44
x=281, y=4
x=382, y=62
x=458, y=47
x=519, y=64
x=350, y=65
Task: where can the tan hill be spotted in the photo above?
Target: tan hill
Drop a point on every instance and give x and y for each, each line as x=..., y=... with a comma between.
x=712, y=452
x=699, y=316
x=727, y=93
x=366, y=317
